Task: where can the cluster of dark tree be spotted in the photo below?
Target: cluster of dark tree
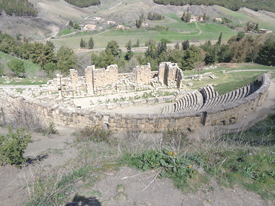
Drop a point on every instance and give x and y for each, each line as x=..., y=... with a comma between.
x=150, y=16
x=113, y=55
x=75, y=26
x=38, y=53
x=234, y=5
x=239, y=48
x=154, y=16
x=17, y=8
x=89, y=45
x=83, y=3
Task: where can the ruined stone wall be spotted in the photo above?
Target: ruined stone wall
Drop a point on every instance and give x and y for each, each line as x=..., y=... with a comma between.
x=89, y=79
x=142, y=74
x=74, y=78
x=225, y=114
x=170, y=72
x=103, y=77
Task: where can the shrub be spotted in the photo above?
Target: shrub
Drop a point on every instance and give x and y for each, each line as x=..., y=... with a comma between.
x=94, y=134
x=17, y=66
x=13, y=146
x=177, y=168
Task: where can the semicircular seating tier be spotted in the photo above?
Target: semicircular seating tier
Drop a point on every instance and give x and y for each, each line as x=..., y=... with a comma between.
x=207, y=98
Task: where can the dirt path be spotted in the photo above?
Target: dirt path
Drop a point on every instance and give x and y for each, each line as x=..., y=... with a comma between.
x=131, y=187
x=57, y=151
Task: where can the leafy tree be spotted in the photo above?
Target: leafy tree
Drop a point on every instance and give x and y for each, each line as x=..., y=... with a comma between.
x=257, y=27
x=66, y=59
x=48, y=55
x=76, y=26
x=225, y=53
x=240, y=35
x=212, y=55
x=250, y=26
x=162, y=46
x=266, y=54
x=50, y=44
x=91, y=43
x=1, y=69
x=220, y=40
x=186, y=17
x=102, y=60
x=113, y=49
x=71, y=24
x=17, y=66
x=191, y=56
x=49, y=68
x=129, y=53
x=13, y=146
x=205, y=17
x=137, y=43
x=177, y=45
x=83, y=43
x=151, y=51
x=185, y=45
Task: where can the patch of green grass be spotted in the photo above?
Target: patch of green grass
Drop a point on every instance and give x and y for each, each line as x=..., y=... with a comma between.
x=64, y=32
x=178, y=33
x=251, y=168
x=55, y=189
x=168, y=164
x=30, y=68
x=262, y=133
x=264, y=21
x=230, y=80
x=238, y=81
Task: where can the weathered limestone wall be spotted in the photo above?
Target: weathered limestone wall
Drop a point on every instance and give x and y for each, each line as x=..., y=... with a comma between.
x=103, y=77
x=170, y=72
x=74, y=78
x=224, y=114
x=89, y=79
x=142, y=74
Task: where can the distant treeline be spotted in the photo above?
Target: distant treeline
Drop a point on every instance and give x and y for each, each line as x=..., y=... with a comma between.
x=17, y=8
x=83, y=3
x=234, y=5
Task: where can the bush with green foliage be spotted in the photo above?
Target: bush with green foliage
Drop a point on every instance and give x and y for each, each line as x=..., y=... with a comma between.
x=83, y=43
x=266, y=55
x=91, y=43
x=94, y=134
x=13, y=146
x=66, y=59
x=17, y=66
x=154, y=16
x=76, y=26
x=177, y=168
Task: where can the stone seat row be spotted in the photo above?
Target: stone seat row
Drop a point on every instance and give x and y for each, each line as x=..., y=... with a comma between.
x=187, y=102
x=208, y=92
x=232, y=96
x=192, y=102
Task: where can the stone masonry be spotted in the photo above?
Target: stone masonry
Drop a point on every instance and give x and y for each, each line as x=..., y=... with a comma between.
x=237, y=103
x=170, y=72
